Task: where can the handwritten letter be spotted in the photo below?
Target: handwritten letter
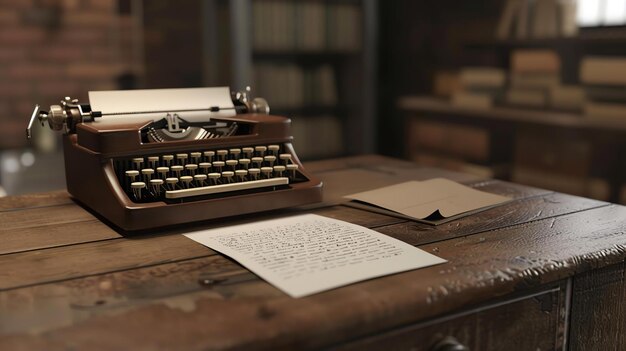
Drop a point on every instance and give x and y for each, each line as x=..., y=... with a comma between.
x=307, y=254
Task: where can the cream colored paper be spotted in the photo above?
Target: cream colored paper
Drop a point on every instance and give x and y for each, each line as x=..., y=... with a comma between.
x=308, y=254
x=127, y=104
x=421, y=200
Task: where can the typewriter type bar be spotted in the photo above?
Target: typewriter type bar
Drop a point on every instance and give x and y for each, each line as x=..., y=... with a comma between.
x=149, y=159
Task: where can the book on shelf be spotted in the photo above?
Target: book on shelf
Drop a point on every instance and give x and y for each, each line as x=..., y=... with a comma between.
x=507, y=18
x=482, y=77
x=535, y=69
x=311, y=34
x=535, y=61
x=538, y=19
x=293, y=86
x=472, y=100
x=534, y=73
x=545, y=19
x=604, y=78
x=526, y=97
x=479, y=88
x=536, y=81
x=306, y=26
x=523, y=20
x=603, y=70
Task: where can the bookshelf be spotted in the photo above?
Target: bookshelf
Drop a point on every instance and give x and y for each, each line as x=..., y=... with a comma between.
x=314, y=61
x=562, y=151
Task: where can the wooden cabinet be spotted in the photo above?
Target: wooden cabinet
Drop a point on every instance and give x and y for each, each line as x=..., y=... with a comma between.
x=530, y=322
x=598, y=320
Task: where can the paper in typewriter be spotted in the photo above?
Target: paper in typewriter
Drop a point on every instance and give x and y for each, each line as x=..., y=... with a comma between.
x=132, y=102
x=307, y=254
x=434, y=201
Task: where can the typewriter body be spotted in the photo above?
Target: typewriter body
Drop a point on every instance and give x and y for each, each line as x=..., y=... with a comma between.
x=153, y=158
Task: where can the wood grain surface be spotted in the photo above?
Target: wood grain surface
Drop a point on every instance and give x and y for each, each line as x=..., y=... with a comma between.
x=70, y=282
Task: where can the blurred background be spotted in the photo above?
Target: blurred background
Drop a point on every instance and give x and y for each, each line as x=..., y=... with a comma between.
x=532, y=91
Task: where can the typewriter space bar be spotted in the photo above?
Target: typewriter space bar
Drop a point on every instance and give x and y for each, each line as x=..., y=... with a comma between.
x=223, y=188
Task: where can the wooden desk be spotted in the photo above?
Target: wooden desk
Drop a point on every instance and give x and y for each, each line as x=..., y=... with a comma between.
x=545, y=271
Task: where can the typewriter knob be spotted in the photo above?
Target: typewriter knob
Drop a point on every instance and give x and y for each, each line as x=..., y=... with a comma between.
x=57, y=117
x=259, y=105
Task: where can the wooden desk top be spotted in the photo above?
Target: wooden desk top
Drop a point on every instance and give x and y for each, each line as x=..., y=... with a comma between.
x=68, y=281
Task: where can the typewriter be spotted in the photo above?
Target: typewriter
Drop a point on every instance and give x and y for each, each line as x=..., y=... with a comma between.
x=152, y=158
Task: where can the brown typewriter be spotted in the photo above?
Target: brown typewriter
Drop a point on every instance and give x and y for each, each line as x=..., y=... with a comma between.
x=151, y=158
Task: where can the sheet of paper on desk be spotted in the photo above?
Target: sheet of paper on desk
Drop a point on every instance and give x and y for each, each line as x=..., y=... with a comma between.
x=433, y=201
x=308, y=254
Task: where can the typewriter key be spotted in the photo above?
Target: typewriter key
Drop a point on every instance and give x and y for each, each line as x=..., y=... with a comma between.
x=267, y=171
x=286, y=158
x=208, y=156
x=214, y=178
x=136, y=187
x=132, y=174
x=228, y=176
x=147, y=174
x=218, y=165
x=235, y=153
x=177, y=169
x=182, y=159
x=273, y=149
x=292, y=168
x=221, y=154
x=153, y=160
x=191, y=169
x=195, y=157
x=241, y=175
x=156, y=184
x=167, y=160
x=270, y=160
x=199, y=179
x=257, y=161
x=254, y=173
x=260, y=150
x=232, y=164
x=186, y=180
x=244, y=162
x=138, y=162
x=248, y=151
x=171, y=183
x=162, y=171
x=204, y=166
x=278, y=170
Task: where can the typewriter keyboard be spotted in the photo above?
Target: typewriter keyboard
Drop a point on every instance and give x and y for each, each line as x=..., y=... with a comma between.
x=209, y=173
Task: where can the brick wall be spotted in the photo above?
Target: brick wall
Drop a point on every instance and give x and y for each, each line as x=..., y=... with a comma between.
x=53, y=48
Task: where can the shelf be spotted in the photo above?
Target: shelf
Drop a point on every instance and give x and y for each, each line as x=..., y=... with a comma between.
x=512, y=115
x=596, y=39
x=304, y=57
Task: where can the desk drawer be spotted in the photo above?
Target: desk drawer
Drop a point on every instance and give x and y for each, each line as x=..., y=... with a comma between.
x=534, y=322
